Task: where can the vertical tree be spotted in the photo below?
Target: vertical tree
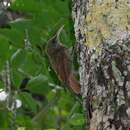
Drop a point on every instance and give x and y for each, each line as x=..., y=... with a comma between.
x=102, y=29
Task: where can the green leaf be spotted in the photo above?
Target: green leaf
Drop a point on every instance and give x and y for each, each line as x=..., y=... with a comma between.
x=27, y=5
x=28, y=102
x=4, y=51
x=21, y=128
x=29, y=65
x=17, y=77
x=17, y=58
x=23, y=120
x=77, y=119
x=35, y=32
x=39, y=85
x=15, y=36
x=50, y=129
x=74, y=128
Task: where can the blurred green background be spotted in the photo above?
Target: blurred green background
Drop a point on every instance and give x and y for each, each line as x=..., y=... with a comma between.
x=47, y=106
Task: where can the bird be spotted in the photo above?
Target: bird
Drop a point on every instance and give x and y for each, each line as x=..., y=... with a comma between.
x=61, y=63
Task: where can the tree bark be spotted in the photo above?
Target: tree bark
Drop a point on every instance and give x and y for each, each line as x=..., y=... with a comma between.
x=102, y=31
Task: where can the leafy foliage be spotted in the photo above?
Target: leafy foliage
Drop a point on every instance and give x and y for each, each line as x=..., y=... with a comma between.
x=45, y=104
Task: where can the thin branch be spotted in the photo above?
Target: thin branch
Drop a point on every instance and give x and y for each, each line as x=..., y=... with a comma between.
x=11, y=100
x=27, y=43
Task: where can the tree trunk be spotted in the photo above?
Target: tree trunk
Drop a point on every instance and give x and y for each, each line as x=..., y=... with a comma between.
x=102, y=31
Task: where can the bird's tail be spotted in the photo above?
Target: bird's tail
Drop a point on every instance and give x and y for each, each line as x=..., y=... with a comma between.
x=74, y=84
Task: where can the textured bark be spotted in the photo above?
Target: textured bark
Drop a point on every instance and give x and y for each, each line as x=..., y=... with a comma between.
x=104, y=73
x=78, y=13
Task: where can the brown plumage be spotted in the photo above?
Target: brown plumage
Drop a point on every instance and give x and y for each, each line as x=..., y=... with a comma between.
x=61, y=63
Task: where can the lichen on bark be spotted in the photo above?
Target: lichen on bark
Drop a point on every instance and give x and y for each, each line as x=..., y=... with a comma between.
x=106, y=20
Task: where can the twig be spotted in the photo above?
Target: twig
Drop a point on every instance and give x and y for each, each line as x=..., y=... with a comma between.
x=11, y=101
x=59, y=120
x=27, y=43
